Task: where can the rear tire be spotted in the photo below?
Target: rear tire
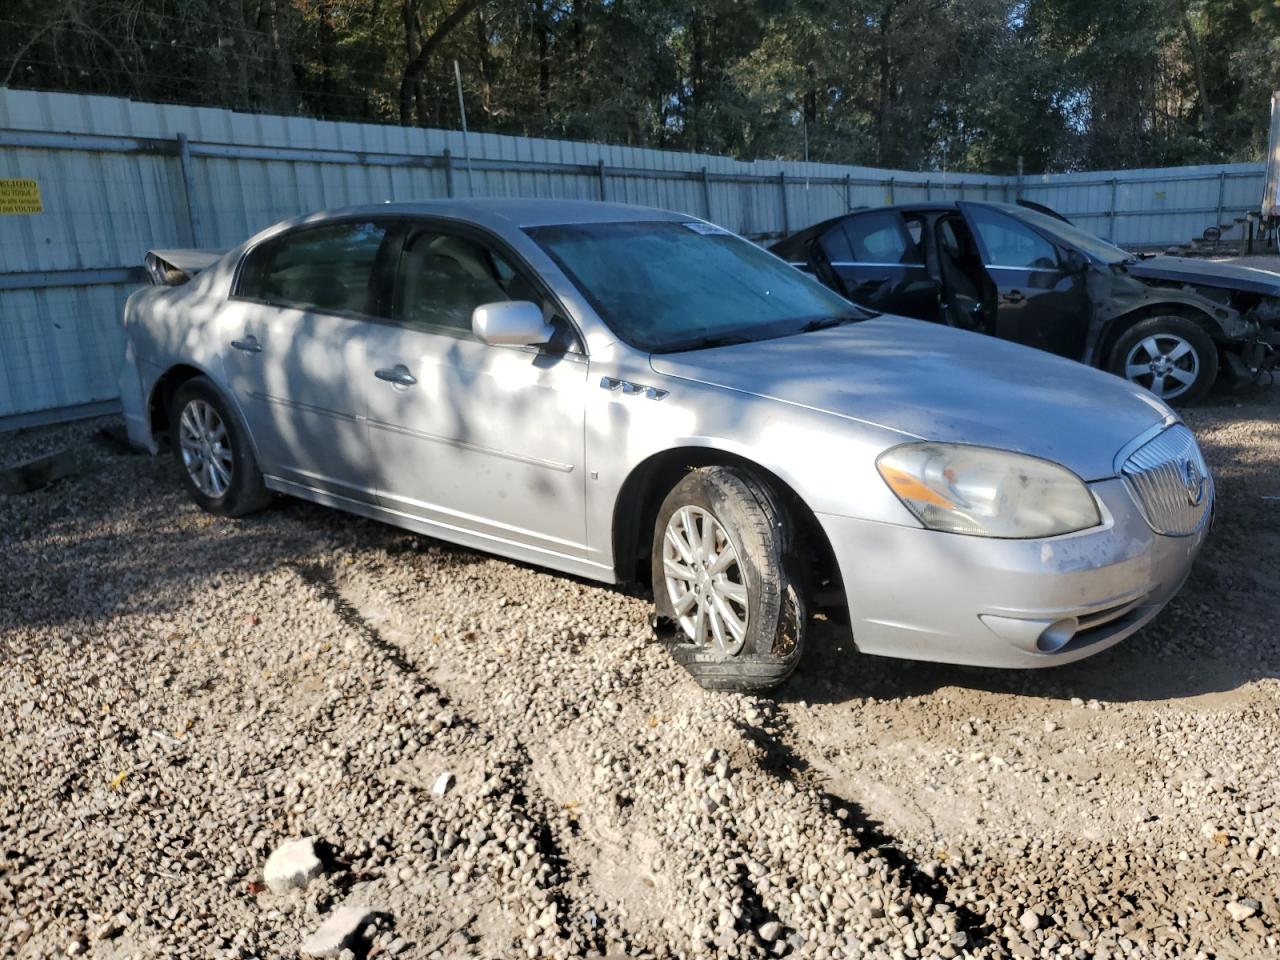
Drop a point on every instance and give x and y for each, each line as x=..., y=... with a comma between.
x=212, y=450
x=725, y=575
x=1171, y=355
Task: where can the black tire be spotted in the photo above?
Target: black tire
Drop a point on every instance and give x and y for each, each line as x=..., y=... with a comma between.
x=763, y=538
x=1166, y=331
x=245, y=492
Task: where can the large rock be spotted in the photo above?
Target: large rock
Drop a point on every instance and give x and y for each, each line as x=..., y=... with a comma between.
x=293, y=864
x=340, y=929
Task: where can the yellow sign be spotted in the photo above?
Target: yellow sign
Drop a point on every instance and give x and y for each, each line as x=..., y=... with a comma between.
x=20, y=196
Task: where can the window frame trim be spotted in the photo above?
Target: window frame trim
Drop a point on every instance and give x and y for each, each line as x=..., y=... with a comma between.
x=985, y=251
x=398, y=228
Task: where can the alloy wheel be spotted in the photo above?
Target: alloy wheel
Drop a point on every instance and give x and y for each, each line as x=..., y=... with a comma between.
x=705, y=581
x=1163, y=363
x=206, y=448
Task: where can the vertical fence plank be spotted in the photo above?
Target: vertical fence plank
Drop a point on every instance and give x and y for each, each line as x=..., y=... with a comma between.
x=782, y=191
x=604, y=184
x=188, y=191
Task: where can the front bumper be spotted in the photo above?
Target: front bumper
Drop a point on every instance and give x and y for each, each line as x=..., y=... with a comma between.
x=925, y=595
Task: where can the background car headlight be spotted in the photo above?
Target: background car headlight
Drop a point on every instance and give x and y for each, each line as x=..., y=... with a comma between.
x=987, y=493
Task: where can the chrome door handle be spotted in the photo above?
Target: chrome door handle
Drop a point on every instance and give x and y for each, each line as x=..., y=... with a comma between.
x=398, y=375
x=1013, y=296
x=249, y=344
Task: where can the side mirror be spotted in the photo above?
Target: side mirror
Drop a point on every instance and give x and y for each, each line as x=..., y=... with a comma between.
x=517, y=323
x=1073, y=261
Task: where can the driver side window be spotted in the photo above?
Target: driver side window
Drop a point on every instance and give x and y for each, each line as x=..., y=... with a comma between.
x=442, y=278
x=1011, y=244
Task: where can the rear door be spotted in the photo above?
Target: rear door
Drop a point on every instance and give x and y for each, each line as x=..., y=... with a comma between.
x=295, y=339
x=1040, y=302
x=879, y=257
x=482, y=440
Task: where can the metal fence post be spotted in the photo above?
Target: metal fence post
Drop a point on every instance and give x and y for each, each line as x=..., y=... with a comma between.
x=782, y=189
x=1111, y=213
x=1222, y=189
x=848, y=193
x=891, y=200
x=448, y=173
x=604, y=186
x=188, y=190
x=928, y=189
x=706, y=192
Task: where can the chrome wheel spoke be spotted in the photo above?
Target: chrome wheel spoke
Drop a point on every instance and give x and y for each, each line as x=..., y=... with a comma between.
x=717, y=629
x=1152, y=347
x=1182, y=376
x=678, y=570
x=732, y=591
x=737, y=626
x=1134, y=370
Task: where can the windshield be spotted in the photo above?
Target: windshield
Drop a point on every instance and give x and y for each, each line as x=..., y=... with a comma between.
x=667, y=285
x=1086, y=242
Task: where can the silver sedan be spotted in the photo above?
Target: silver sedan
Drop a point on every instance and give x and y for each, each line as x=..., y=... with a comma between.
x=631, y=394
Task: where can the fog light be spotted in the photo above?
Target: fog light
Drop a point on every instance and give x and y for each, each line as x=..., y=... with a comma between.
x=1057, y=635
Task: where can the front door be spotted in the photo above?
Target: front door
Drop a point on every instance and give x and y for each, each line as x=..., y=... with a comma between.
x=482, y=440
x=295, y=334
x=1040, y=302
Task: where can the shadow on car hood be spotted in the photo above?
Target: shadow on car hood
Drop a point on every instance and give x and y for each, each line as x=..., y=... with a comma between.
x=939, y=383
x=1207, y=273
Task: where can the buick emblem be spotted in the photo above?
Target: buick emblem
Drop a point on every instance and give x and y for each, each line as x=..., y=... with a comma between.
x=1194, y=481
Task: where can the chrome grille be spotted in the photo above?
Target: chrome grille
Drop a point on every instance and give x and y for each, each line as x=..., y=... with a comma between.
x=1170, y=482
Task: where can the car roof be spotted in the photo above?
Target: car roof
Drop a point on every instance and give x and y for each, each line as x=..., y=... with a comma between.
x=502, y=212
x=792, y=245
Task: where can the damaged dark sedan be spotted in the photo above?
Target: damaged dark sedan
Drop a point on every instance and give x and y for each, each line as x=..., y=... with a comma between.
x=1169, y=324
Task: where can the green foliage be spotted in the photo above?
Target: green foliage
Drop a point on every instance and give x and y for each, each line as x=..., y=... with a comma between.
x=966, y=84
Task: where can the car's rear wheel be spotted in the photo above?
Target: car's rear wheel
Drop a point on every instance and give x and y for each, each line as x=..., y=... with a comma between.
x=725, y=577
x=1172, y=356
x=213, y=453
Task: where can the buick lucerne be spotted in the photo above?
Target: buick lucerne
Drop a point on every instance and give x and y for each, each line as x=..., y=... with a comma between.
x=628, y=394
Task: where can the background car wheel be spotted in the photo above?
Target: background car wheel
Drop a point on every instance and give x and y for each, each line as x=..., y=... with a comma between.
x=723, y=574
x=1171, y=356
x=212, y=451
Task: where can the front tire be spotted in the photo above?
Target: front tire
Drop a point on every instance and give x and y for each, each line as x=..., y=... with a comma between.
x=213, y=453
x=1172, y=356
x=724, y=573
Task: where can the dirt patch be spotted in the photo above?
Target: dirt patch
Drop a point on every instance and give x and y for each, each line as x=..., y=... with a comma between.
x=182, y=693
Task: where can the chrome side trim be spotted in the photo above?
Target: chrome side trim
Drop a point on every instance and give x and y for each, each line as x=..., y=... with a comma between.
x=473, y=447
x=309, y=407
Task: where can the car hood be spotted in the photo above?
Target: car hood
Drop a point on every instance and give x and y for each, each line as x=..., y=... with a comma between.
x=1207, y=273
x=938, y=383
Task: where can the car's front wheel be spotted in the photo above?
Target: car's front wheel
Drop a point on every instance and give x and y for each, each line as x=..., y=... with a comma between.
x=725, y=576
x=213, y=453
x=1172, y=356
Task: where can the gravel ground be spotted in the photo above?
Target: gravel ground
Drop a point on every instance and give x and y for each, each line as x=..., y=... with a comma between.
x=181, y=695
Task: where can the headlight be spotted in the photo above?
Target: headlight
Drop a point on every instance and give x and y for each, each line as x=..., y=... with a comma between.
x=987, y=493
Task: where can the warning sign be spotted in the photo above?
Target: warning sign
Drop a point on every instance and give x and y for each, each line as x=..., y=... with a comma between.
x=20, y=196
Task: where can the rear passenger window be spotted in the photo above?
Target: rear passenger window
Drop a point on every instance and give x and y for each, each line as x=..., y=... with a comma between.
x=880, y=237
x=324, y=268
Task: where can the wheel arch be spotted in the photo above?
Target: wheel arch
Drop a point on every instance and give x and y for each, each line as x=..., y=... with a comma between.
x=641, y=494
x=1117, y=325
x=166, y=386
